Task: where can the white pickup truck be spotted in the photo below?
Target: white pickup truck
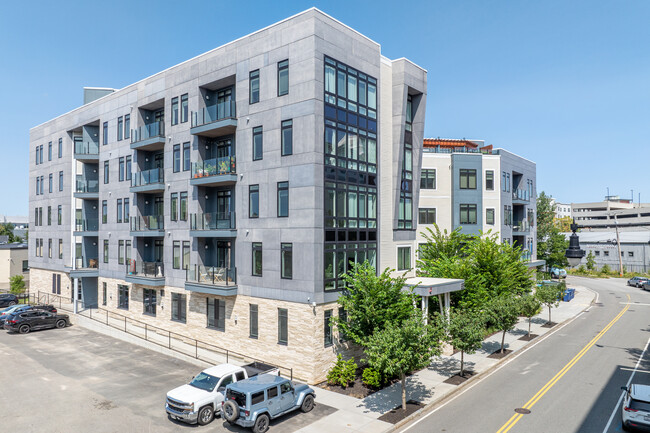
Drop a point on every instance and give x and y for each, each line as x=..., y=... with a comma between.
x=198, y=401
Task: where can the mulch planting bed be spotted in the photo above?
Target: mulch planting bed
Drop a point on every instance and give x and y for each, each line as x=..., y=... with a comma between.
x=357, y=389
x=528, y=337
x=457, y=379
x=549, y=325
x=398, y=414
x=498, y=354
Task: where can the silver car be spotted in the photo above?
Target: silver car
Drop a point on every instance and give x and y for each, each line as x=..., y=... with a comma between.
x=636, y=406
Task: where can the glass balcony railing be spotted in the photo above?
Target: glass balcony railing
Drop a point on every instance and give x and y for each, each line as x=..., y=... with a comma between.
x=86, y=224
x=85, y=185
x=520, y=194
x=521, y=226
x=211, y=275
x=86, y=148
x=526, y=256
x=86, y=263
x=148, y=177
x=213, y=167
x=145, y=132
x=214, y=113
x=147, y=222
x=145, y=269
x=212, y=221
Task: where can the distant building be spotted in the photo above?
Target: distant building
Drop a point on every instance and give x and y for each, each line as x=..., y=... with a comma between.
x=13, y=261
x=20, y=223
x=562, y=210
x=635, y=249
x=614, y=211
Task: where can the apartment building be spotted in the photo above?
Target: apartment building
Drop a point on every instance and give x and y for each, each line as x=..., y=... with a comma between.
x=562, y=210
x=224, y=197
x=468, y=185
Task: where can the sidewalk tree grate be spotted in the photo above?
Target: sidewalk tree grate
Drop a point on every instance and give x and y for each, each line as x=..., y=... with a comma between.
x=522, y=411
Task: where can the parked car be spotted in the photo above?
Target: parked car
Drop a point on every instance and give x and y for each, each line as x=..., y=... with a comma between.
x=637, y=281
x=256, y=401
x=19, y=308
x=200, y=400
x=8, y=299
x=558, y=273
x=646, y=286
x=33, y=319
x=635, y=411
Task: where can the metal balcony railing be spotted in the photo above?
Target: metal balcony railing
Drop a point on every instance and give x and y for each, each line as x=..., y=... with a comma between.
x=212, y=221
x=214, y=167
x=147, y=222
x=145, y=132
x=145, y=269
x=212, y=275
x=148, y=177
x=214, y=113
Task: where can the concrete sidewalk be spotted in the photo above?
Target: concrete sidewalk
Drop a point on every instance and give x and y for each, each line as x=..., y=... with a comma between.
x=427, y=386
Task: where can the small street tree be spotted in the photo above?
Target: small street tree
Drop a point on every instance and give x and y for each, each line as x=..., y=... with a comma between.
x=17, y=284
x=549, y=295
x=591, y=261
x=529, y=306
x=551, y=243
x=396, y=351
x=465, y=333
x=503, y=313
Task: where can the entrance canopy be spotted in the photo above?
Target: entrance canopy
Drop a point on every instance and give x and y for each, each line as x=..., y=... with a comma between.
x=434, y=286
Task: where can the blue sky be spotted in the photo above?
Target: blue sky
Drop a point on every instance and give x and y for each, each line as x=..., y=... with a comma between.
x=565, y=84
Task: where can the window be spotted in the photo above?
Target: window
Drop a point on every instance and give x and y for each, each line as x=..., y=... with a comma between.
x=40, y=216
x=106, y=173
x=327, y=328
x=283, y=77
x=606, y=253
x=149, y=301
x=120, y=127
x=177, y=158
x=257, y=143
x=254, y=201
x=42, y=185
x=60, y=181
x=254, y=86
x=505, y=180
x=283, y=324
x=489, y=180
x=127, y=252
x=403, y=258
x=257, y=259
x=120, y=252
x=467, y=178
x=50, y=184
x=127, y=168
x=184, y=108
x=127, y=211
x=105, y=251
x=257, y=397
x=176, y=253
x=60, y=215
x=104, y=211
x=49, y=248
x=123, y=297
x=287, y=137
x=49, y=215
x=175, y=111
x=36, y=161
x=173, y=205
x=38, y=184
x=428, y=179
x=104, y=293
x=60, y=147
x=49, y=151
x=127, y=126
x=630, y=253
x=489, y=216
x=426, y=216
x=120, y=173
x=179, y=303
x=183, y=207
x=186, y=156
x=217, y=314
x=286, y=261
x=186, y=255
x=35, y=216
x=119, y=210
x=253, y=325
x=468, y=214
x=105, y=133
x=597, y=253
x=283, y=199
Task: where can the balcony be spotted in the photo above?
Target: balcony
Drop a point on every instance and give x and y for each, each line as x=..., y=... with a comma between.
x=520, y=196
x=86, y=227
x=146, y=273
x=85, y=267
x=213, y=225
x=149, y=137
x=211, y=280
x=88, y=189
x=87, y=151
x=148, y=181
x=148, y=226
x=215, y=120
x=214, y=172
x=520, y=227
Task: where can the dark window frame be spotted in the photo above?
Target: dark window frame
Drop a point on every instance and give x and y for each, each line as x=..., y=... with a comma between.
x=286, y=142
x=258, y=133
x=465, y=211
x=465, y=176
x=282, y=188
x=253, y=196
x=286, y=258
x=283, y=326
x=254, y=77
x=257, y=248
x=283, y=66
x=253, y=324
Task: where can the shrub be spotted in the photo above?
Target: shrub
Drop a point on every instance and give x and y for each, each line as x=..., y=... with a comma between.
x=371, y=378
x=605, y=269
x=581, y=269
x=343, y=372
x=17, y=284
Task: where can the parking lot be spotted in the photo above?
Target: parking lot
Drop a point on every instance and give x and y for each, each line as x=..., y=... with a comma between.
x=74, y=379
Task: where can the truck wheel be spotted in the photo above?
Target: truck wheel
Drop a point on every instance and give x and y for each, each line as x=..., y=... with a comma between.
x=261, y=424
x=230, y=411
x=307, y=403
x=205, y=415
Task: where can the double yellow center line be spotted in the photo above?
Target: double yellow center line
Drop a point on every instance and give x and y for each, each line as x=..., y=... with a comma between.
x=516, y=417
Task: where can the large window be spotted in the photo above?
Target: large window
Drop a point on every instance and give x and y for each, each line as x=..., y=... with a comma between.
x=287, y=137
x=105, y=133
x=119, y=210
x=283, y=77
x=177, y=158
x=489, y=216
x=176, y=254
x=257, y=259
x=60, y=248
x=120, y=252
x=127, y=168
x=426, y=216
x=127, y=126
x=120, y=173
x=105, y=250
x=467, y=214
x=467, y=178
x=254, y=86
x=186, y=156
x=286, y=261
x=283, y=326
x=489, y=180
x=428, y=179
x=217, y=314
x=173, y=206
x=120, y=127
x=327, y=328
x=104, y=211
x=257, y=143
x=60, y=181
x=403, y=258
x=175, y=110
x=149, y=301
x=253, y=321
x=283, y=199
x=184, y=108
x=186, y=255
x=106, y=172
x=123, y=297
x=183, y=206
x=60, y=147
x=127, y=210
x=179, y=303
x=254, y=201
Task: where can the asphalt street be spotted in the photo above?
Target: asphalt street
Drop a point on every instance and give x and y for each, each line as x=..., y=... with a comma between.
x=569, y=380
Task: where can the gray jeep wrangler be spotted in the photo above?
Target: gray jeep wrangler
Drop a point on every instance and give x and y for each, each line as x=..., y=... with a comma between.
x=256, y=401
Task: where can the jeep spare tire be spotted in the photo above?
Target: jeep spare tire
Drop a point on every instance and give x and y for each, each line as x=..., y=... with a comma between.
x=230, y=411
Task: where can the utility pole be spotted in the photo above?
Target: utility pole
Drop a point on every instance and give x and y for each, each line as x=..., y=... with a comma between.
x=618, y=244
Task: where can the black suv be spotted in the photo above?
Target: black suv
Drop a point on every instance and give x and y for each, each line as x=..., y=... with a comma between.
x=20, y=308
x=8, y=299
x=35, y=319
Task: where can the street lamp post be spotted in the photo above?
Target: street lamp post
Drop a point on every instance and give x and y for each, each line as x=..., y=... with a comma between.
x=574, y=254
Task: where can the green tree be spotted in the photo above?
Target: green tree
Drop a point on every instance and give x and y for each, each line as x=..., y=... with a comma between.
x=398, y=350
x=465, y=333
x=551, y=243
x=563, y=224
x=441, y=244
x=591, y=261
x=17, y=284
x=8, y=230
x=529, y=306
x=372, y=302
x=503, y=313
x=549, y=295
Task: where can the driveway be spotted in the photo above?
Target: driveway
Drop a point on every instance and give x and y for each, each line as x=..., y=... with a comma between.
x=74, y=379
